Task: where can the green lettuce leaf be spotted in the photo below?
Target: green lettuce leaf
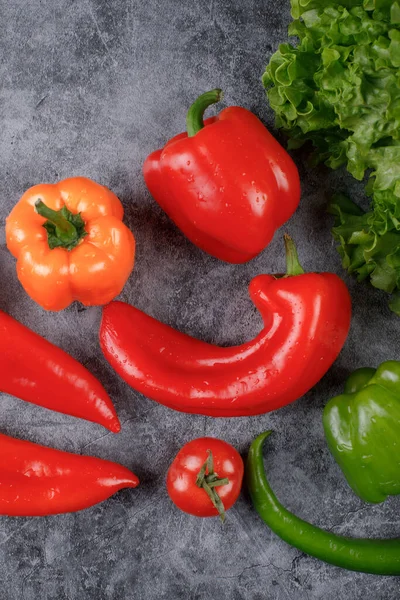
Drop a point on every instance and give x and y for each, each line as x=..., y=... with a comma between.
x=339, y=88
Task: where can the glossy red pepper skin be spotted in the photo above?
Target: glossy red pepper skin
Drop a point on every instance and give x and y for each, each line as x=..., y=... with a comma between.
x=33, y=369
x=228, y=188
x=306, y=321
x=37, y=481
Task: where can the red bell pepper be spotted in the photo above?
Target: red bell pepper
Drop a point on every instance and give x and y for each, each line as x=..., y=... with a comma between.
x=226, y=183
x=36, y=480
x=33, y=369
x=306, y=321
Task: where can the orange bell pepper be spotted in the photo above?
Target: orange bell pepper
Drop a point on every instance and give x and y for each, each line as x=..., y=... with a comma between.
x=70, y=243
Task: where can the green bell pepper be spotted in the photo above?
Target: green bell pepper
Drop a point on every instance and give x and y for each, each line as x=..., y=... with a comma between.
x=362, y=428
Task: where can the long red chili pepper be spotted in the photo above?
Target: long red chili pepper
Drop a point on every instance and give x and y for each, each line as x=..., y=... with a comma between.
x=35, y=370
x=306, y=321
x=36, y=480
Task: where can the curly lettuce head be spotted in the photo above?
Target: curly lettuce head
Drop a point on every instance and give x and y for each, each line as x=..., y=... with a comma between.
x=339, y=88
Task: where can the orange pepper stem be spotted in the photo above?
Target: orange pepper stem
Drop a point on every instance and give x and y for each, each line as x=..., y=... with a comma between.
x=64, y=229
x=293, y=266
x=208, y=480
x=194, y=117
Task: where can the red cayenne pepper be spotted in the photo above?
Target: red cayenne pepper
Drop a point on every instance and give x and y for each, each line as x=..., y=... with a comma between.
x=37, y=481
x=33, y=369
x=306, y=322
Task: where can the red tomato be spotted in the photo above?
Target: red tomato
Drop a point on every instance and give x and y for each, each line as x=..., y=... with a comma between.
x=192, y=497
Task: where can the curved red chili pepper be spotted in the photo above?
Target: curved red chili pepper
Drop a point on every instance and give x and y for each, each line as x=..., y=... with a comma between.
x=227, y=183
x=33, y=369
x=306, y=321
x=36, y=480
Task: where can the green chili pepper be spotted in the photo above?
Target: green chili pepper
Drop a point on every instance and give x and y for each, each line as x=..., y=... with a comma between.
x=381, y=557
x=362, y=428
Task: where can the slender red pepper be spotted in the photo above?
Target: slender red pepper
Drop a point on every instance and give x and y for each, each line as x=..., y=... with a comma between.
x=36, y=480
x=33, y=369
x=306, y=321
x=226, y=183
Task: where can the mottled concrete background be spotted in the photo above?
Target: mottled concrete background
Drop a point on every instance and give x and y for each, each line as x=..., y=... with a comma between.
x=90, y=88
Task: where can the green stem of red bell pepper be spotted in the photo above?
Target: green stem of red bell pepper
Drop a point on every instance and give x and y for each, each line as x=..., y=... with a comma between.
x=381, y=557
x=194, y=117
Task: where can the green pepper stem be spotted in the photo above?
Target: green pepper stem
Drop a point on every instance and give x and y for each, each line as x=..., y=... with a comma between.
x=64, y=229
x=194, y=117
x=293, y=266
x=208, y=480
x=55, y=217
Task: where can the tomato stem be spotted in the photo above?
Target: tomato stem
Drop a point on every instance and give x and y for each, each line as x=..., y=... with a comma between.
x=208, y=480
x=223, y=481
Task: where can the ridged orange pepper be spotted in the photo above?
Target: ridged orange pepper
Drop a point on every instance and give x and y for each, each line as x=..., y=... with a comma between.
x=70, y=243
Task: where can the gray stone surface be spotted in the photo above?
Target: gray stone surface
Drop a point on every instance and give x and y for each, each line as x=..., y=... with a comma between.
x=90, y=88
